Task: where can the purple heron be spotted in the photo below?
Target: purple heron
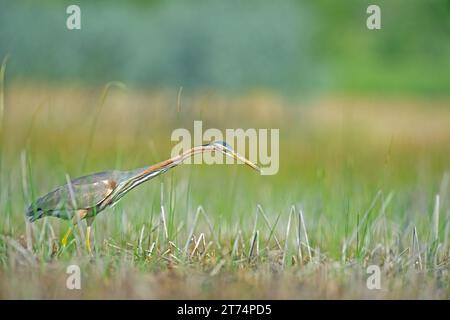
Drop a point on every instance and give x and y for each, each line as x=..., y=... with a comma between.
x=85, y=197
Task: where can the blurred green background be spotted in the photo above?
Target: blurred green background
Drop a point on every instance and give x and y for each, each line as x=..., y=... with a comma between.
x=232, y=46
x=364, y=123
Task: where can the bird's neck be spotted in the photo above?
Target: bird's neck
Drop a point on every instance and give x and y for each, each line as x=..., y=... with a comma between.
x=139, y=176
x=176, y=160
x=144, y=174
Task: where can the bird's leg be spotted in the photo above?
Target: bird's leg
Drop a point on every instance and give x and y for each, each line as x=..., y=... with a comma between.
x=66, y=236
x=80, y=214
x=88, y=234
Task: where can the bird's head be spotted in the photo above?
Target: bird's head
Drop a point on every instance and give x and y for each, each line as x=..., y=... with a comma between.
x=34, y=212
x=225, y=148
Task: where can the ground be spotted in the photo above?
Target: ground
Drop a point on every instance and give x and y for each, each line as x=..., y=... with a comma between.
x=363, y=181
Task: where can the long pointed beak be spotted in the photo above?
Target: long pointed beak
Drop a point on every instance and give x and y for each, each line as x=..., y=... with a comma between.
x=237, y=156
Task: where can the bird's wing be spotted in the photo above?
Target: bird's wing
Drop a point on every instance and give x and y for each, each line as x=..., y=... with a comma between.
x=82, y=193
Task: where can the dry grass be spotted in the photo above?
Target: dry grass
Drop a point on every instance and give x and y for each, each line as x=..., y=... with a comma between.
x=361, y=182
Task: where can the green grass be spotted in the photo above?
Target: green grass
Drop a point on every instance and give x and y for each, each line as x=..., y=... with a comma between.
x=355, y=188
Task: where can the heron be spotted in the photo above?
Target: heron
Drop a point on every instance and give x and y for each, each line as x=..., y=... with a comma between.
x=85, y=197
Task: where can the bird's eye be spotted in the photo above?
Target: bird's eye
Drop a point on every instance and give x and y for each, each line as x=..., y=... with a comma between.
x=224, y=144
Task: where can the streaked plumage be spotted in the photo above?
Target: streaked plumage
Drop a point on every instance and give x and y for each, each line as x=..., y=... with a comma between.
x=85, y=197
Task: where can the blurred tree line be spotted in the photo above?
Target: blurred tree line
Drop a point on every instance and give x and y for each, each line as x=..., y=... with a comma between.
x=234, y=45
